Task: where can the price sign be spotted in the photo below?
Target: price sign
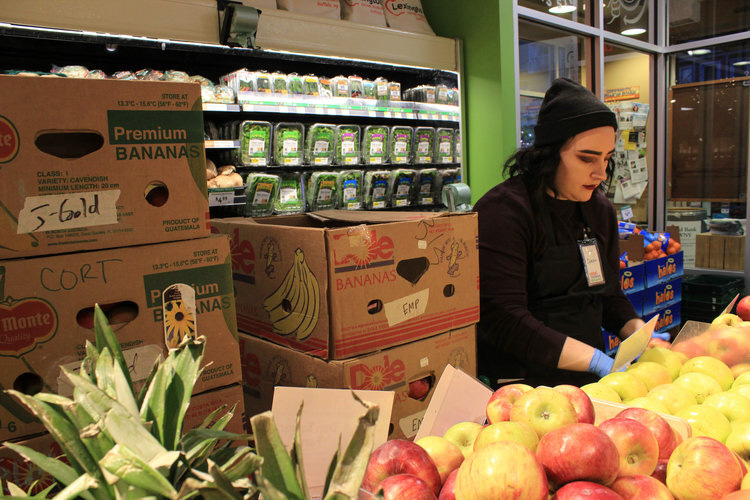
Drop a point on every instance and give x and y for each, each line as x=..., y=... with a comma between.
x=220, y=198
x=626, y=212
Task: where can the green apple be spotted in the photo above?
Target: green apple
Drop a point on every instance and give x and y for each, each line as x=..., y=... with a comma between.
x=733, y=405
x=706, y=421
x=601, y=391
x=671, y=360
x=742, y=379
x=520, y=432
x=743, y=390
x=738, y=439
x=544, y=409
x=463, y=435
x=648, y=403
x=627, y=385
x=712, y=367
x=700, y=384
x=674, y=397
x=650, y=373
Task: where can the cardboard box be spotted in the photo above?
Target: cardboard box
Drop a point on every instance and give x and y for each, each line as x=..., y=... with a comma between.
x=654, y=271
x=718, y=251
x=661, y=296
x=201, y=405
x=339, y=284
x=611, y=343
x=669, y=317
x=637, y=299
x=89, y=164
x=46, y=314
x=664, y=269
x=266, y=365
x=632, y=278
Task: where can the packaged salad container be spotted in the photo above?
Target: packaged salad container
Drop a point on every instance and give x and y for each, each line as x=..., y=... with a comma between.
x=394, y=91
x=290, y=197
x=279, y=83
x=376, y=189
x=401, y=184
x=263, y=82
x=347, y=144
x=400, y=144
x=295, y=84
x=442, y=94
x=356, y=87
x=261, y=189
x=320, y=144
x=368, y=87
x=381, y=89
x=322, y=191
x=340, y=86
x=424, y=143
x=325, y=87
x=255, y=143
x=427, y=187
x=312, y=85
x=444, y=145
x=375, y=145
x=350, y=190
x=288, y=141
x=457, y=149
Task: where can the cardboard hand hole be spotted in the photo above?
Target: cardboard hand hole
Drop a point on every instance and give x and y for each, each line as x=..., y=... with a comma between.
x=157, y=193
x=70, y=144
x=412, y=270
x=28, y=383
x=449, y=290
x=374, y=306
x=117, y=313
x=420, y=388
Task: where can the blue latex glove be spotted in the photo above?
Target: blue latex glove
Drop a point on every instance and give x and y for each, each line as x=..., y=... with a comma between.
x=600, y=363
x=662, y=335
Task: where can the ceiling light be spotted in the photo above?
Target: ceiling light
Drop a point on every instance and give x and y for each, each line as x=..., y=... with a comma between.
x=741, y=63
x=562, y=9
x=633, y=31
x=698, y=52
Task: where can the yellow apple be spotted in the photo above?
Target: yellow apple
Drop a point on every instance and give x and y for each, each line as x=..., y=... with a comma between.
x=743, y=390
x=627, y=385
x=742, y=379
x=671, y=360
x=463, y=435
x=739, y=369
x=727, y=319
x=712, y=367
x=648, y=403
x=706, y=421
x=650, y=373
x=445, y=454
x=520, y=432
x=746, y=482
x=733, y=405
x=739, y=439
x=601, y=391
x=674, y=397
x=700, y=384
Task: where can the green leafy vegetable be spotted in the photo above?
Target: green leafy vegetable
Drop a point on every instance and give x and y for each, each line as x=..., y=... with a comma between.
x=402, y=182
x=262, y=82
x=376, y=189
x=312, y=85
x=319, y=144
x=347, y=145
x=278, y=83
x=356, y=87
x=425, y=142
x=427, y=186
x=287, y=141
x=323, y=190
x=394, y=91
x=375, y=145
x=261, y=192
x=400, y=144
x=289, y=198
x=255, y=143
x=381, y=89
x=369, y=89
x=296, y=85
x=350, y=189
x=340, y=86
x=444, y=145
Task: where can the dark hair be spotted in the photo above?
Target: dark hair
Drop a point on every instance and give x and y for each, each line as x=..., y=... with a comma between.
x=537, y=166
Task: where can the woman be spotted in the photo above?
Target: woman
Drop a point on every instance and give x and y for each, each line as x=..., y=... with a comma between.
x=548, y=250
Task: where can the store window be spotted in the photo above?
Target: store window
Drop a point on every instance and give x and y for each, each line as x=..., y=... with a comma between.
x=629, y=17
x=545, y=54
x=627, y=80
x=691, y=20
x=572, y=10
x=707, y=144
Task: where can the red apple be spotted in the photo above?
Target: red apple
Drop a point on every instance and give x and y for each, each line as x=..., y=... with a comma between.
x=419, y=388
x=640, y=487
x=581, y=402
x=660, y=472
x=405, y=487
x=701, y=468
x=400, y=456
x=499, y=404
x=690, y=348
x=737, y=495
x=730, y=345
x=501, y=470
x=446, y=455
x=578, y=452
x=585, y=490
x=662, y=431
x=743, y=308
x=635, y=443
x=448, y=491
x=544, y=409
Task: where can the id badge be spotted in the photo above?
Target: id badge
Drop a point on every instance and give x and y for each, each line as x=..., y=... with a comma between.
x=592, y=262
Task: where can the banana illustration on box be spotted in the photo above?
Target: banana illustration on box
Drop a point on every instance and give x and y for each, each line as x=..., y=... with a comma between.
x=294, y=306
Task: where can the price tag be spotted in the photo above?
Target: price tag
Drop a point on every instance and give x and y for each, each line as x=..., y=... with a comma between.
x=626, y=212
x=220, y=198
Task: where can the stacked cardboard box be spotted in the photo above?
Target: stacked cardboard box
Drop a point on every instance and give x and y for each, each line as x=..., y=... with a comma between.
x=719, y=251
x=355, y=299
x=103, y=200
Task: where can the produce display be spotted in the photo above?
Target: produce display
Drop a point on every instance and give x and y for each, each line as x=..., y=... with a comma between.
x=288, y=141
x=375, y=145
x=376, y=189
x=655, y=244
x=320, y=144
x=255, y=143
x=322, y=190
x=424, y=144
x=400, y=144
x=261, y=190
x=349, y=190
x=290, y=198
x=347, y=144
x=401, y=184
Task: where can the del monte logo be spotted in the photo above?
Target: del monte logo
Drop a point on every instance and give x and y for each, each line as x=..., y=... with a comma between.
x=9, y=141
x=24, y=324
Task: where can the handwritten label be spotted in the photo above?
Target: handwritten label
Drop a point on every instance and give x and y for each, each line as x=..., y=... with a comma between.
x=410, y=424
x=69, y=210
x=406, y=308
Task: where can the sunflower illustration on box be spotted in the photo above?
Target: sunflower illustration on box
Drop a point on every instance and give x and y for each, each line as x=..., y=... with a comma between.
x=178, y=305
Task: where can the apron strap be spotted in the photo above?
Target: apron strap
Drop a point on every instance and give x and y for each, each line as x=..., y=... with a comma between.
x=549, y=228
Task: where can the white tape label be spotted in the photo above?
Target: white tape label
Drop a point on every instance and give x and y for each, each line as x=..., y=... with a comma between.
x=410, y=424
x=70, y=210
x=406, y=308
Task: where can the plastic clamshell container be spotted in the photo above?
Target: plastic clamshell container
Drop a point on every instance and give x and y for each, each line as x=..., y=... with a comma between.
x=444, y=138
x=347, y=144
x=381, y=89
x=311, y=84
x=424, y=144
x=394, y=91
x=442, y=94
x=320, y=144
x=340, y=86
x=427, y=187
x=457, y=148
x=400, y=144
x=289, y=198
x=376, y=189
x=369, y=89
x=255, y=143
x=401, y=184
x=375, y=145
x=295, y=84
x=263, y=82
x=356, y=87
x=322, y=191
x=350, y=187
x=261, y=189
x=279, y=84
x=288, y=141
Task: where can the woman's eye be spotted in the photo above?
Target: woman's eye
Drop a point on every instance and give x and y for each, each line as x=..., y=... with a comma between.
x=587, y=159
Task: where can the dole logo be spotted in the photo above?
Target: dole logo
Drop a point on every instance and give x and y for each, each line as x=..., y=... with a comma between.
x=9, y=141
x=243, y=254
x=365, y=251
x=377, y=377
x=24, y=324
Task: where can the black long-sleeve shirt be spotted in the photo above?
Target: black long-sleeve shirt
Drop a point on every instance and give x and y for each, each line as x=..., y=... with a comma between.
x=511, y=239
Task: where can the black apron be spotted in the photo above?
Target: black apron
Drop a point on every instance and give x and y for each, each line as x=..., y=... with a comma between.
x=559, y=296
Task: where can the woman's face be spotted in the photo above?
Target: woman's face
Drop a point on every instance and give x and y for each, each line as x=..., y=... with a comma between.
x=583, y=163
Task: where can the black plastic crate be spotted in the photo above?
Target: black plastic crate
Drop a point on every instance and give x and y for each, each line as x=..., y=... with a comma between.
x=711, y=288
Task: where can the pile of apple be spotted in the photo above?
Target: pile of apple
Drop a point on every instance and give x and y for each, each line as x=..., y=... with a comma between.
x=542, y=443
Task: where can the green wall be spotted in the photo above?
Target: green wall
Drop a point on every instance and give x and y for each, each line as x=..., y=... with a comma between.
x=486, y=29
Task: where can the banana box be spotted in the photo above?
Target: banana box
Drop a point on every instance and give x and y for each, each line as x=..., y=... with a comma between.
x=337, y=284
x=90, y=164
x=46, y=315
x=410, y=370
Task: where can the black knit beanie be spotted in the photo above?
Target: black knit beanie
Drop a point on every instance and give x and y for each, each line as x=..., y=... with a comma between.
x=568, y=109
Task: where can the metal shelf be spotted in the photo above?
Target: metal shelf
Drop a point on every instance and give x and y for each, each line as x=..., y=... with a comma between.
x=222, y=144
x=719, y=272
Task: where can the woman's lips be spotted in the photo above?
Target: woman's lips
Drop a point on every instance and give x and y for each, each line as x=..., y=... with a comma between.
x=591, y=186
